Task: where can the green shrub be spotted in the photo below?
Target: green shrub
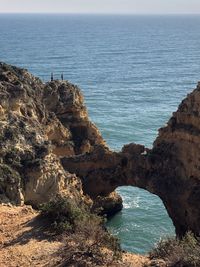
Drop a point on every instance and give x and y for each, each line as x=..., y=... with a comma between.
x=64, y=213
x=85, y=237
x=92, y=246
x=183, y=252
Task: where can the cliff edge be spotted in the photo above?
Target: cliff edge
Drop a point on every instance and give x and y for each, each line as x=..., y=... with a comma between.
x=39, y=124
x=170, y=169
x=49, y=145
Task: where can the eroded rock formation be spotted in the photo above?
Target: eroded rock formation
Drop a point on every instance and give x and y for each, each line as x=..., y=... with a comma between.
x=38, y=124
x=170, y=170
x=47, y=142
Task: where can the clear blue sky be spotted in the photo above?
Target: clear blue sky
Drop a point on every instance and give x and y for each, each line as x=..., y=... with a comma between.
x=101, y=6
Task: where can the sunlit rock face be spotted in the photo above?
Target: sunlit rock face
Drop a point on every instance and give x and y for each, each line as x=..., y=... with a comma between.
x=49, y=146
x=39, y=123
x=66, y=102
x=170, y=170
x=175, y=158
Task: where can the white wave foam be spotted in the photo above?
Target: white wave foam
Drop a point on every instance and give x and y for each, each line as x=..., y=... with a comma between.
x=131, y=203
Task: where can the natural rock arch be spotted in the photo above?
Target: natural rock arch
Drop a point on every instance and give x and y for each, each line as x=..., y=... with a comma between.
x=171, y=169
x=42, y=125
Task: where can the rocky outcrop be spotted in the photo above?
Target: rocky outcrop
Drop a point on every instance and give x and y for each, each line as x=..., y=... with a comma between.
x=39, y=123
x=170, y=169
x=107, y=205
x=175, y=161
x=66, y=102
x=47, y=141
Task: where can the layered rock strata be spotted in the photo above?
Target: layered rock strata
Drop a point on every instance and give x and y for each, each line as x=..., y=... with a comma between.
x=47, y=141
x=171, y=169
x=39, y=123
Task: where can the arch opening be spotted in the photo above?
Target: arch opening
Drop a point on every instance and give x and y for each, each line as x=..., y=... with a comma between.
x=142, y=221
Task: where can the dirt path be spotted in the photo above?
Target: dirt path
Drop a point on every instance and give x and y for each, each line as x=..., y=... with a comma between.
x=23, y=242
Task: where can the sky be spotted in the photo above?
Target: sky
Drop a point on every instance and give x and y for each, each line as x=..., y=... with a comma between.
x=101, y=6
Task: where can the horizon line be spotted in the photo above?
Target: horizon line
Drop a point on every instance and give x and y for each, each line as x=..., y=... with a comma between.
x=98, y=13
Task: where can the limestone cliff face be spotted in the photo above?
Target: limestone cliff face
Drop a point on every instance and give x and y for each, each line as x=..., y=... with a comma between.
x=170, y=170
x=175, y=159
x=38, y=124
x=47, y=141
x=66, y=102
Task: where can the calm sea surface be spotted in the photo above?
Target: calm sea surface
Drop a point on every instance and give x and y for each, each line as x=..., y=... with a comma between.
x=133, y=71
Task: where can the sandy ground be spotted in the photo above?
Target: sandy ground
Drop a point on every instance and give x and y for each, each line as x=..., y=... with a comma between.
x=22, y=240
x=24, y=243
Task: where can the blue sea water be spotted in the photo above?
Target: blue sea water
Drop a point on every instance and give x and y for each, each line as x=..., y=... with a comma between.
x=133, y=71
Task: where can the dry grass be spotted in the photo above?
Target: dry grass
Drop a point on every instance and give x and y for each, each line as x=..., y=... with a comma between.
x=178, y=253
x=87, y=242
x=25, y=241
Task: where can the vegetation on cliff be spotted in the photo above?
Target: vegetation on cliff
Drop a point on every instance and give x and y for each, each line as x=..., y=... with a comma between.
x=175, y=252
x=49, y=147
x=92, y=243
x=40, y=123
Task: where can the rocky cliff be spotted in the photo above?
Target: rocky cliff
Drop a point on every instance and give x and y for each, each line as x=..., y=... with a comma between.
x=39, y=124
x=47, y=142
x=171, y=169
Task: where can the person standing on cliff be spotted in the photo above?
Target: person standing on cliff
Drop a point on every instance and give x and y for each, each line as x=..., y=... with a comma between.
x=62, y=77
x=52, y=77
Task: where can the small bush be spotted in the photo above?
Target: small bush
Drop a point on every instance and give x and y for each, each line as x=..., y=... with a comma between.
x=178, y=253
x=85, y=237
x=92, y=246
x=64, y=213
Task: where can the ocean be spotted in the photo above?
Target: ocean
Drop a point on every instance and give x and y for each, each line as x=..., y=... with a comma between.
x=133, y=72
